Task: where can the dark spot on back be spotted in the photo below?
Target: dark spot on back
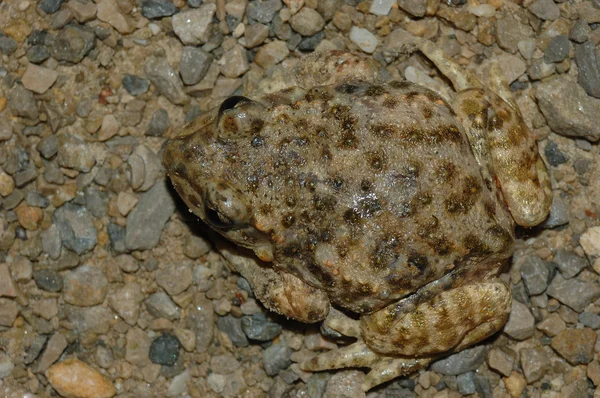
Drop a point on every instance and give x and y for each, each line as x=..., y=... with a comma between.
x=427, y=111
x=475, y=246
x=503, y=236
x=288, y=220
x=377, y=160
x=400, y=84
x=390, y=103
x=383, y=130
x=411, y=95
x=324, y=203
x=374, y=91
x=418, y=261
x=385, y=253
x=441, y=246
x=352, y=216
x=366, y=185
x=446, y=171
x=348, y=141
x=347, y=88
x=318, y=93
x=337, y=183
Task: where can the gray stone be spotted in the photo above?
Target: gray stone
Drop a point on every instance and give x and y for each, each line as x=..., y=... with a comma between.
x=568, y=109
x=147, y=220
x=580, y=31
x=559, y=213
x=416, y=8
x=257, y=327
x=51, y=243
x=466, y=383
x=37, y=54
x=232, y=327
x=72, y=43
x=96, y=201
x=310, y=43
x=160, y=305
x=520, y=325
x=116, y=234
x=201, y=320
x=162, y=75
x=277, y=358
x=546, y=10
x=462, y=362
x=48, y=280
x=510, y=31
x=21, y=102
x=159, y=123
x=539, y=69
x=535, y=275
x=590, y=319
x=588, y=63
x=135, y=85
x=153, y=9
x=36, y=199
x=50, y=6
x=164, y=350
x=573, y=293
x=554, y=155
x=569, y=264
x=256, y=34
x=194, y=64
x=76, y=228
x=558, y=48
x=534, y=362
x=48, y=146
x=263, y=11
x=8, y=45
x=194, y=26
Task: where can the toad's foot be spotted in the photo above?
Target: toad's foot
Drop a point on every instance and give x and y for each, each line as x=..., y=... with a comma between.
x=383, y=368
x=394, y=342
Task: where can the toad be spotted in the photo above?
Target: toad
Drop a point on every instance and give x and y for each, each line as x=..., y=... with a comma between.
x=375, y=206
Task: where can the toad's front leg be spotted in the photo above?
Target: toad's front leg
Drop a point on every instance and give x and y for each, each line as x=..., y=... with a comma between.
x=278, y=291
x=398, y=339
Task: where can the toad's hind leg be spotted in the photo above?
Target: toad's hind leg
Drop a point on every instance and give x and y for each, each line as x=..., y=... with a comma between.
x=502, y=143
x=450, y=321
x=396, y=341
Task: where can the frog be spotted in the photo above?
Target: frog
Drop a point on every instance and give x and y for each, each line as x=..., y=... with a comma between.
x=372, y=205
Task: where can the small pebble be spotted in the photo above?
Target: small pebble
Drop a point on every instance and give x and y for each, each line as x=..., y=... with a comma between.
x=164, y=350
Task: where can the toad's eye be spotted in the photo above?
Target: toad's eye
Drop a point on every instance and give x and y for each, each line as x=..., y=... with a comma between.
x=239, y=117
x=224, y=207
x=217, y=219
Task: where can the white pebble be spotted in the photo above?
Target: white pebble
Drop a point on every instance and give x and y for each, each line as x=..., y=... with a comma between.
x=482, y=10
x=381, y=7
x=366, y=40
x=154, y=28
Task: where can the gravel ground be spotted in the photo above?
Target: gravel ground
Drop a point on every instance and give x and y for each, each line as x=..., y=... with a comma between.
x=105, y=278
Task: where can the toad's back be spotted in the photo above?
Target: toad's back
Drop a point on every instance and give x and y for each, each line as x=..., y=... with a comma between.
x=366, y=191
